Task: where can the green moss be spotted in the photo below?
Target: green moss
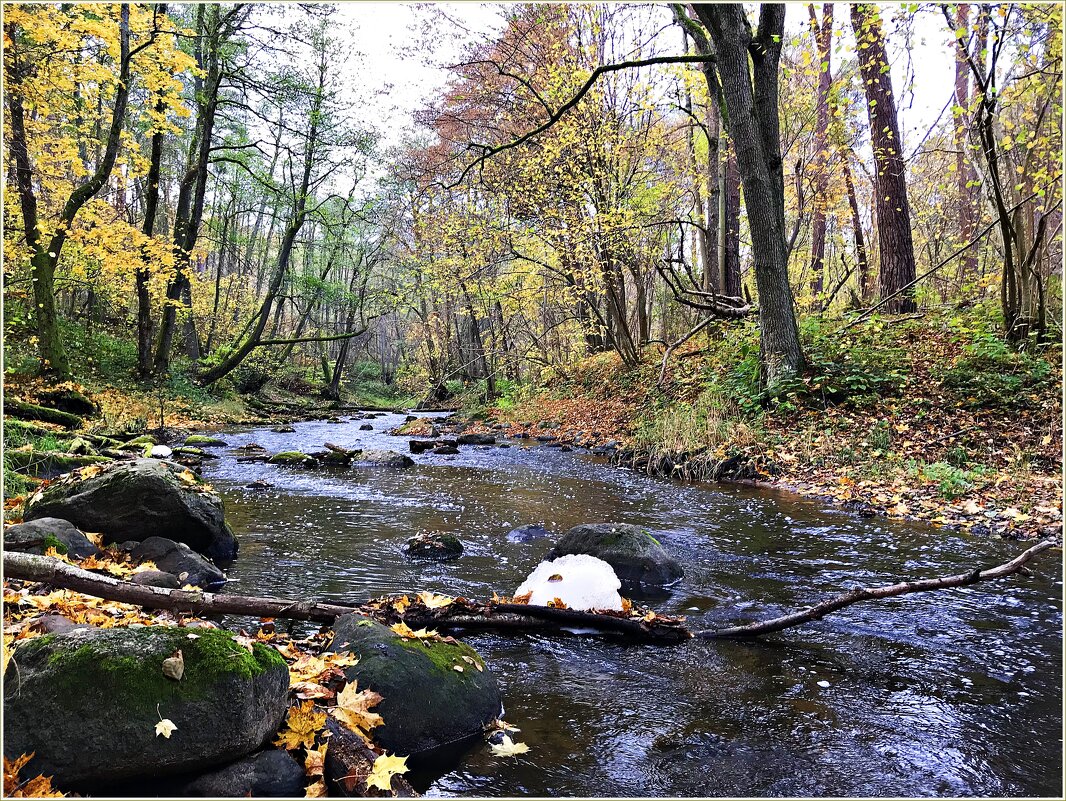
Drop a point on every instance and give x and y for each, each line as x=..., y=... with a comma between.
x=200, y=439
x=288, y=457
x=139, y=680
x=444, y=656
x=51, y=541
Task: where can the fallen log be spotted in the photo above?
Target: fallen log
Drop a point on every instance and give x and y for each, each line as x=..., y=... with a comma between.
x=858, y=594
x=461, y=613
x=29, y=411
x=348, y=764
x=61, y=574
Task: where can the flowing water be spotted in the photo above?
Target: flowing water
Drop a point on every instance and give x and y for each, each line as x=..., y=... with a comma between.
x=956, y=692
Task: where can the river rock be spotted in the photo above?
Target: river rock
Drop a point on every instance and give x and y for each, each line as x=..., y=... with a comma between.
x=37, y=536
x=366, y=427
x=436, y=545
x=283, y=430
x=637, y=557
x=417, y=427
x=385, y=458
x=179, y=560
x=289, y=457
x=426, y=701
x=422, y=445
x=140, y=499
x=528, y=533
x=476, y=439
x=446, y=450
x=204, y=440
x=269, y=774
x=87, y=703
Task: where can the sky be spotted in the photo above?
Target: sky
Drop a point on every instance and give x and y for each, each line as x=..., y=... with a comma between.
x=404, y=49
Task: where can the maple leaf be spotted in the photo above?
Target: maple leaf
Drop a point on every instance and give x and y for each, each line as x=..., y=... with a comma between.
x=316, y=790
x=432, y=601
x=11, y=772
x=522, y=599
x=301, y=725
x=508, y=748
x=165, y=727
x=401, y=603
x=407, y=633
x=353, y=708
x=385, y=767
x=315, y=761
x=308, y=689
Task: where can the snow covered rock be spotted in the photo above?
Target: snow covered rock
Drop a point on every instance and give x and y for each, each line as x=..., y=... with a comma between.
x=580, y=581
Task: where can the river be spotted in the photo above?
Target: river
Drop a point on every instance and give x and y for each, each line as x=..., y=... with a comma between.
x=951, y=693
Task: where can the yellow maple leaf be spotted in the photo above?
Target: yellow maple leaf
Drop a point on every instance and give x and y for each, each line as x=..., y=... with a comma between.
x=432, y=601
x=353, y=708
x=316, y=790
x=385, y=767
x=407, y=633
x=301, y=726
x=401, y=603
x=508, y=747
x=315, y=761
x=165, y=727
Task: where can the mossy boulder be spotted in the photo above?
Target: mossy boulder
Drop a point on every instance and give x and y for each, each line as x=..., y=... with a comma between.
x=289, y=457
x=417, y=427
x=87, y=703
x=139, y=499
x=204, y=440
x=37, y=536
x=637, y=556
x=426, y=702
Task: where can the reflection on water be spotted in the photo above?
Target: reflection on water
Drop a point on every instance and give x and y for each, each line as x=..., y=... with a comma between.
x=948, y=693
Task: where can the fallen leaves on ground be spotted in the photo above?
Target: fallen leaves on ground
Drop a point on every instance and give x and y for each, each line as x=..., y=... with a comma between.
x=353, y=709
x=38, y=787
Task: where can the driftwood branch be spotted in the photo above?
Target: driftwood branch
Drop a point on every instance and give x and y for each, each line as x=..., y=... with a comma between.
x=850, y=597
x=467, y=614
x=60, y=574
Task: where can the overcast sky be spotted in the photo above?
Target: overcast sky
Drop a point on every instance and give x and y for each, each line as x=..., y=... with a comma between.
x=404, y=47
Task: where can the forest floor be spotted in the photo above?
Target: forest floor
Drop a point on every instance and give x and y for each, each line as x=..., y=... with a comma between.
x=931, y=419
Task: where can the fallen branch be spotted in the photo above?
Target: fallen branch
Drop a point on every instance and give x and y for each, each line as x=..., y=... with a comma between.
x=871, y=593
x=45, y=569
x=30, y=411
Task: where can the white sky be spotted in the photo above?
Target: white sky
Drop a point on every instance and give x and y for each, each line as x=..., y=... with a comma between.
x=404, y=47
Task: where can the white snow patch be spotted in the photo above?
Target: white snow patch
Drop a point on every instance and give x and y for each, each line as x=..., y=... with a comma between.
x=580, y=581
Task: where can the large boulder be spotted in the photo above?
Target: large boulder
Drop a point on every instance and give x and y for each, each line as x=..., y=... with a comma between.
x=37, y=536
x=180, y=560
x=637, y=557
x=476, y=439
x=139, y=499
x=269, y=774
x=426, y=702
x=87, y=703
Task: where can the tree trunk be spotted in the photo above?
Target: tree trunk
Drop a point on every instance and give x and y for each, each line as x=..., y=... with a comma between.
x=965, y=175
x=895, y=245
x=751, y=102
x=823, y=35
x=730, y=229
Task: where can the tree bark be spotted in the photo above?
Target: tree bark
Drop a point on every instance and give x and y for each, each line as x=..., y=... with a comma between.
x=895, y=244
x=823, y=36
x=752, y=121
x=965, y=175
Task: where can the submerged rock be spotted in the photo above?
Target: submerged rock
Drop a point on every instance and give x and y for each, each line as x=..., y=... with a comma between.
x=422, y=445
x=426, y=701
x=579, y=581
x=436, y=545
x=87, y=703
x=269, y=774
x=446, y=450
x=385, y=458
x=139, y=499
x=181, y=561
x=476, y=439
x=529, y=533
x=366, y=427
x=37, y=536
x=636, y=556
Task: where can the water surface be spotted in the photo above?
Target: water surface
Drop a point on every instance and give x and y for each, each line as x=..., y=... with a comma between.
x=956, y=692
